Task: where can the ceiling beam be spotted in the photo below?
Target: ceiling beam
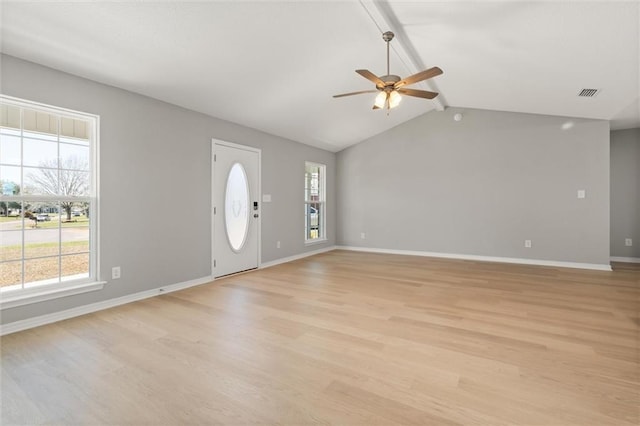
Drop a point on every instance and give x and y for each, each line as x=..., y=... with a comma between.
x=384, y=18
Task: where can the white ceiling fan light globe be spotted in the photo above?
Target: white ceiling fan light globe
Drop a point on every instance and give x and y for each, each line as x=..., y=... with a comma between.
x=381, y=98
x=394, y=99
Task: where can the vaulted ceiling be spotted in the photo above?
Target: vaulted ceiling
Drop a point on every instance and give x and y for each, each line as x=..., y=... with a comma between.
x=274, y=66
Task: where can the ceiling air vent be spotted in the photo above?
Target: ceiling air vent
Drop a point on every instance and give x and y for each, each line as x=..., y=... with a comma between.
x=588, y=93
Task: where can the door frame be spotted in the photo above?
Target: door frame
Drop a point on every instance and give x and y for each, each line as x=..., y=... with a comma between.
x=258, y=151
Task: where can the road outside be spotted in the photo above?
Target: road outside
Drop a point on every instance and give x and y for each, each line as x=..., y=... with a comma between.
x=39, y=235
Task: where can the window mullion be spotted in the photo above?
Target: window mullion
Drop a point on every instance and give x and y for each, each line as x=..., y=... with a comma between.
x=59, y=205
x=24, y=236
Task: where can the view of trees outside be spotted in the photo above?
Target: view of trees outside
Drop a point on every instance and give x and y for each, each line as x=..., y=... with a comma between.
x=70, y=180
x=9, y=188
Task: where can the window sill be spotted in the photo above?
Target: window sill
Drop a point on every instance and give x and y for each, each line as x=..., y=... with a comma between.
x=8, y=301
x=314, y=242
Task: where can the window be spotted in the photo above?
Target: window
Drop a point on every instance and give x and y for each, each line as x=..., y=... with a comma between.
x=314, y=202
x=48, y=176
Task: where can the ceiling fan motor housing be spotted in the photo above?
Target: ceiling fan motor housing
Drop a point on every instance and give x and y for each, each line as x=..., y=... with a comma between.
x=389, y=81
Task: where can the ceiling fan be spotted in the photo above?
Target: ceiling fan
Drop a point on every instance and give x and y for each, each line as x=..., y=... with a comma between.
x=391, y=86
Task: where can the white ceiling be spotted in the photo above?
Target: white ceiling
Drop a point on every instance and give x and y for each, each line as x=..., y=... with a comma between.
x=274, y=66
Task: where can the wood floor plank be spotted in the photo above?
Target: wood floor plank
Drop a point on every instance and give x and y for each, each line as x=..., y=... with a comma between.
x=345, y=338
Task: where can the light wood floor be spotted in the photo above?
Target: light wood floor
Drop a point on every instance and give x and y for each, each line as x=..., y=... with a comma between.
x=345, y=338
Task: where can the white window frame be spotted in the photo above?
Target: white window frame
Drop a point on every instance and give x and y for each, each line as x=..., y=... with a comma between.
x=10, y=298
x=322, y=190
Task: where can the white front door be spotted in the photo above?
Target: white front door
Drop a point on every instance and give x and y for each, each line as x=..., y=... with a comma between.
x=236, y=208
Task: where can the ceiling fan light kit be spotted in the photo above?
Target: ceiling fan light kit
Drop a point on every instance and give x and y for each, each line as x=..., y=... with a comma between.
x=394, y=99
x=391, y=86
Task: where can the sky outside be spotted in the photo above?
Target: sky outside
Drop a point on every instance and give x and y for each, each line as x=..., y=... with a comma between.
x=38, y=149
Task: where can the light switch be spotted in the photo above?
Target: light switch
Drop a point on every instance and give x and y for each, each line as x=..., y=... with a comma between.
x=266, y=198
x=582, y=193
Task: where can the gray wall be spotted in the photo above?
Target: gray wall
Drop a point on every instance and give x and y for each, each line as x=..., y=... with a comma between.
x=155, y=186
x=625, y=192
x=480, y=186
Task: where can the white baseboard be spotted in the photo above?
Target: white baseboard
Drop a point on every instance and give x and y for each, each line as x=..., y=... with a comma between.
x=296, y=257
x=538, y=262
x=625, y=259
x=98, y=306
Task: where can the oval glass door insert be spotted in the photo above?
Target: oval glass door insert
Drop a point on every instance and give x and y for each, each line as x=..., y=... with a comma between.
x=236, y=207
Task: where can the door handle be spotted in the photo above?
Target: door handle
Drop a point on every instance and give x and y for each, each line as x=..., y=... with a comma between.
x=255, y=215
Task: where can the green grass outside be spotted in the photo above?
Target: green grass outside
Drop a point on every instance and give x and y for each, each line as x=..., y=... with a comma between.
x=9, y=219
x=43, y=249
x=76, y=222
x=45, y=245
x=75, y=261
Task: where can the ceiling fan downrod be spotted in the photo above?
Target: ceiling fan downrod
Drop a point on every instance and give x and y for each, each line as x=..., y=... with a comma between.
x=388, y=36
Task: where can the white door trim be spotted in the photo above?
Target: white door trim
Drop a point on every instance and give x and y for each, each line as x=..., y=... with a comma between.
x=258, y=151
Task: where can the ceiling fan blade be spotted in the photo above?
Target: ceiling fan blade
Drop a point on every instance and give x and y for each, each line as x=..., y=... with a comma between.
x=354, y=93
x=418, y=93
x=371, y=77
x=422, y=75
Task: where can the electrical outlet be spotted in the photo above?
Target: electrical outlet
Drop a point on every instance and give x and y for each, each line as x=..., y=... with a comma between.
x=628, y=242
x=278, y=244
x=527, y=243
x=115, y=273
x=363, y=235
